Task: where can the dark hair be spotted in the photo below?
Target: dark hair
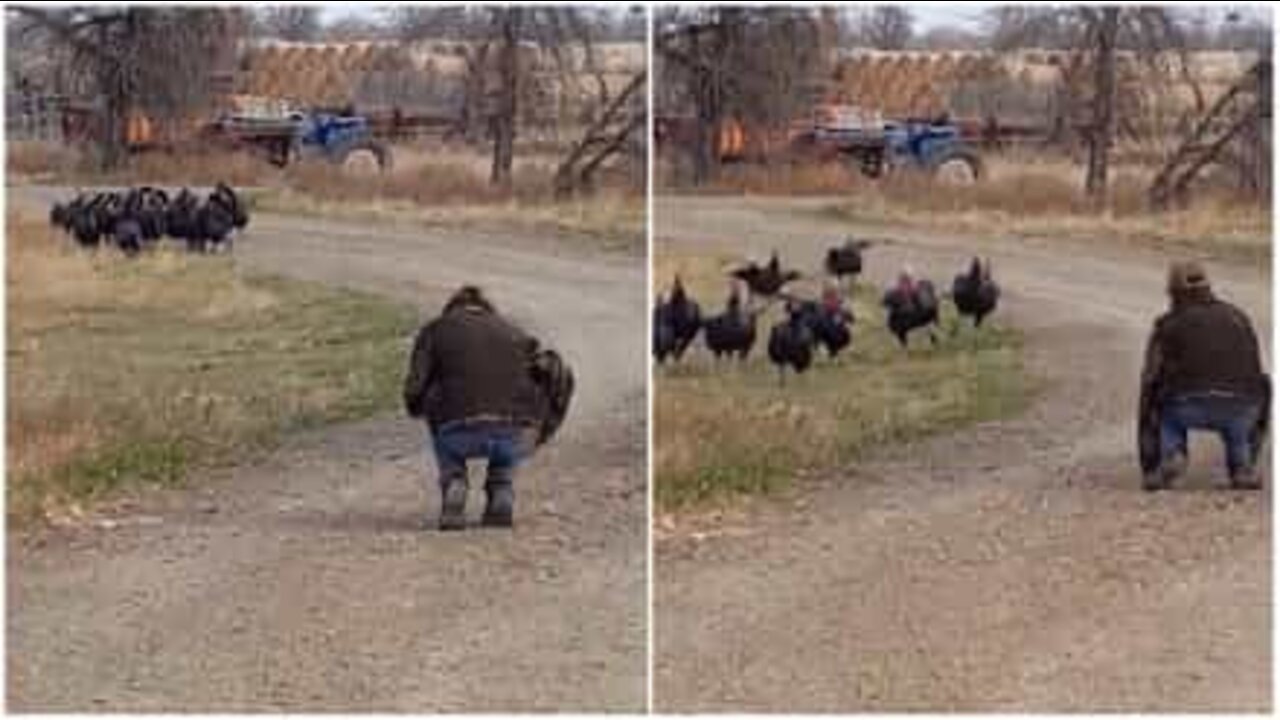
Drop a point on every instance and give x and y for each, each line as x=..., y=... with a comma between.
x=468, y=296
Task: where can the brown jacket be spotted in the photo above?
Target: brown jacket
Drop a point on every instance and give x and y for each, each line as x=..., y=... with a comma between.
x=1202, y=344
x=468, y=365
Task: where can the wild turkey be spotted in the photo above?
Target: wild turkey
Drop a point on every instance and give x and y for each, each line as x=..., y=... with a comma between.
x=732, y=332
x=664, y=336
x=765, y=281
x=682, y=317
x=830, y=323
x=846, y=260
x=791, y=342
x=975, y=293
x=911, y=304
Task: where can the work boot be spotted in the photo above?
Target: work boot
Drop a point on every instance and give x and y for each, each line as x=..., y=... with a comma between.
x=453, y=505
x=499, y=507
x=1172, y=468
x=1246, y=478
x=1151, y=482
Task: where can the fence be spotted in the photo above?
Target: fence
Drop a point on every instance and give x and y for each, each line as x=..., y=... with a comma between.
x=35, y=117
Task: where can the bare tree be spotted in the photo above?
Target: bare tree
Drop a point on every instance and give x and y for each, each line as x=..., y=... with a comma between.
x=1013, y=27
x=297, y=23
x=1151, y=35
x=886, y=27
x=1244, y=33
x=948, y=38
x=622, y=120
x=1103, y=25
x=353, y=28
x=754, y=65
x=160, y=61
x=507, y=20
x=505, y=46
x=422, y=22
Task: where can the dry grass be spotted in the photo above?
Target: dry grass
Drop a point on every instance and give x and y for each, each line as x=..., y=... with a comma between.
x=798, y=179
x=1044, y=205
x=129, y=372
x=452, y=189
x=1026, y=195
x=64, y=164
x=728, y=430
x=447, y=180
x=37, y=159
x=197, y=168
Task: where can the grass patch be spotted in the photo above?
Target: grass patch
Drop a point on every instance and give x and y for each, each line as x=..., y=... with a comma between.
x=729, y=430
x=124, y=373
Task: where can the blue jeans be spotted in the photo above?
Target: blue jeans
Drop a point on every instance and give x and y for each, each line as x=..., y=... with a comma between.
x=1231, y=416
x=503, y=446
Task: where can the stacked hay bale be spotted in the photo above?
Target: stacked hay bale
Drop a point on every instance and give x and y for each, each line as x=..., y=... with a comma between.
x=428, y=77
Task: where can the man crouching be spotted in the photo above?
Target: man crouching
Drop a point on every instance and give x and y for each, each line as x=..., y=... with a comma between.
x=469, y=377
x=1203, y=371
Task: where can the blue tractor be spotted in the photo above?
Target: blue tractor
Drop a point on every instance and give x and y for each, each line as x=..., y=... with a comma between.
x=933, y=146
x=336, y=137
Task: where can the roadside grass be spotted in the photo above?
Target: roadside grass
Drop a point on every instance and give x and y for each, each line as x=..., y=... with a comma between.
x=612, y=221
x=452, y=188
x=45, y=162
x=1023, y=195
x=1035, y=204
x=124, y=374
x=724, y=431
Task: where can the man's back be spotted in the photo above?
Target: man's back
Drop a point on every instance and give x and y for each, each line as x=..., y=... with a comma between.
x=476, y=367
x=1208, y=345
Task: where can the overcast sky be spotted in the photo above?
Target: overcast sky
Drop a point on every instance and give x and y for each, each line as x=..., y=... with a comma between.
x=966, y=15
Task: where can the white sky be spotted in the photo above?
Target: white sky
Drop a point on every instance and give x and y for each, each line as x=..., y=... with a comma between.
x=963, y=15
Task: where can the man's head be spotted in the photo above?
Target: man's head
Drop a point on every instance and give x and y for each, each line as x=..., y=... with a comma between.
x=1187, y=280
x=468, y=297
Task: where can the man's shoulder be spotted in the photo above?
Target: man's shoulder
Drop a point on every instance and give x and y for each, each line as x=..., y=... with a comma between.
x=430, y=326
x=486, y=322
x=1235, y=314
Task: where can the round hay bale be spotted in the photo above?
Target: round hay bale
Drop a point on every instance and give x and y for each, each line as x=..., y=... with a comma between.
x=351, y=56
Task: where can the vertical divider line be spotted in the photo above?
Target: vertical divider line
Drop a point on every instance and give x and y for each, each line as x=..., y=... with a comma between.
x=648, y=279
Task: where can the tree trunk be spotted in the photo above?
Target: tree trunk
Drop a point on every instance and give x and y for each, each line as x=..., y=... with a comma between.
x=504, y=123
x=569, y=177
x=113, y=139
x=706, y=157
x=1102, y=128
x=708, y=99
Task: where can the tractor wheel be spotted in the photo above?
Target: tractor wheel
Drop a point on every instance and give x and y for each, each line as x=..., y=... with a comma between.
x=871, y=163
x=961, y=167
x=366, y=157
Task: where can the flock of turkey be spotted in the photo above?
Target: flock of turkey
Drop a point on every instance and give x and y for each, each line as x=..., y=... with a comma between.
x=809, y=324
x=134, y=219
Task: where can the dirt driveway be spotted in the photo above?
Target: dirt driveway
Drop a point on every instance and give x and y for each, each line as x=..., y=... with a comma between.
x=1011, y=567
x=305, y=583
